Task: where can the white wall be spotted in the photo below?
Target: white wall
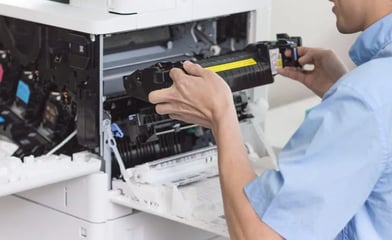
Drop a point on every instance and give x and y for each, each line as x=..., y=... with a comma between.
x=315, y=22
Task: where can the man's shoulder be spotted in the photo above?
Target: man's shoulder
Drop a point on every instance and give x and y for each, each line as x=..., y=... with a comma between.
x=378, y=69
x=371, y=81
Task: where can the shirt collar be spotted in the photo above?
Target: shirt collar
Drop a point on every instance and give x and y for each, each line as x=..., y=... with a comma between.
x=372, y=41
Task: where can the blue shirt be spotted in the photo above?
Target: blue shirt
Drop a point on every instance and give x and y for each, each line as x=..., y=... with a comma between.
x=335, y=173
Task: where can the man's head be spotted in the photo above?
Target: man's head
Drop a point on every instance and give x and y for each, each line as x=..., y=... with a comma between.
x=356, y=15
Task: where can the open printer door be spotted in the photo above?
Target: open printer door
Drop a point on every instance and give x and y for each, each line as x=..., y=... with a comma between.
x=185, y=188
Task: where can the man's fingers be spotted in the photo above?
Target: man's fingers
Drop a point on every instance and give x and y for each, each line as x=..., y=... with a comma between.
x=301, y=51
x=176, y=74
x=160, y=96
x=191, y=119
x=306, y=59
x=193, y=69
x=292, y=73
x=305, y=56
x=164, y=108
x=182, y=112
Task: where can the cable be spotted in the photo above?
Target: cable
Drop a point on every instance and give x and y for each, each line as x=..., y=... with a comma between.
x=60, y=145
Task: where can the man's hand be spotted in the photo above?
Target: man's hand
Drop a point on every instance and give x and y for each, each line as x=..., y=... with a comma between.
x=198, y=96
x=327, y=69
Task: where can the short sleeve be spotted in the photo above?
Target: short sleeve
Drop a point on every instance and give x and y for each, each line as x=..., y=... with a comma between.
x=326, y=171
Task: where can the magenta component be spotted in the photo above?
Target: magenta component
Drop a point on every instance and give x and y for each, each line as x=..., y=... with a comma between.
x=1, y=73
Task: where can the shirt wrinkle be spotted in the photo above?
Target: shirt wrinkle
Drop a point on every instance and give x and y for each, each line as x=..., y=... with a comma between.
x=374, y=107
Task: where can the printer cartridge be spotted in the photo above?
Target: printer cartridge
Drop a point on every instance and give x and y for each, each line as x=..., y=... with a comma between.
x=254, y=66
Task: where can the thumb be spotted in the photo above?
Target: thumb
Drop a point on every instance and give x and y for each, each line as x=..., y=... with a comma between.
x=193, y=69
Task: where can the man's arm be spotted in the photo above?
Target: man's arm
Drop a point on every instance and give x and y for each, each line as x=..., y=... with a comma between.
x=202, y=97
x=235, y=173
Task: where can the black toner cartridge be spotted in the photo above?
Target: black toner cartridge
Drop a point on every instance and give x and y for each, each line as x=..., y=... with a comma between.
x=254, y=66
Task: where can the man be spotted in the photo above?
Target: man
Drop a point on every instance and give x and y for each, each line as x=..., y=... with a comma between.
x=335, y=178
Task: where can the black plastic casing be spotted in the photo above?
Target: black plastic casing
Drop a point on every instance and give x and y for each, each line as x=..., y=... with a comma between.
x=141, y=82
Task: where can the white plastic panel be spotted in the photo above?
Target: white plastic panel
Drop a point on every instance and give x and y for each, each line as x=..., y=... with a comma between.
x=207, y=8
x=89, y=18
x=84, y=197
x=176, y=11
x=25, y=220
x=140, y=6
x=92, y=4
x=198, y=205
x=17, y=176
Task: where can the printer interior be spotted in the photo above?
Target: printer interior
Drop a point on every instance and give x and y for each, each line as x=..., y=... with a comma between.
x=59, y=87
x=52, y=78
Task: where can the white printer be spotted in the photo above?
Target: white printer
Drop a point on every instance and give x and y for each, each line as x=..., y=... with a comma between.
x=82, y=159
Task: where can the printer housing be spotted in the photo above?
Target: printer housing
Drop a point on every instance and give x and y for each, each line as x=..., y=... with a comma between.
x=62, y=68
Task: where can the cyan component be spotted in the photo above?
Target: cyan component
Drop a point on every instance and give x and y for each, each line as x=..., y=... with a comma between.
x=23, y=92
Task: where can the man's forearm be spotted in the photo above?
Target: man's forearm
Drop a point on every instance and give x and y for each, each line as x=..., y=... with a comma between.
x=235, y=172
